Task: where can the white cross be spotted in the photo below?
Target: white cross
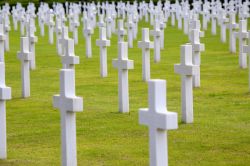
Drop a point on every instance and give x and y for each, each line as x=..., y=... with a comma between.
x=25, y=57
x=162, y=27
x=101, y=22
x=88, y=31
x=157, y=43
x=2, y=38
x=69, y=59
x=197, y=48
x=32, y=40
x=145, y=45
x=5, y=94
x=158, y=119
x=58, y=35
x=242, y=35
x=232, y=26
x=195, y=24
x=65, y=37
x=223, y=21
x=68, y=104
x=121, y=32
x=109, y=23
x=103, y=43
x=246, y=49
x=214, y=23
x=51, y=28
x=123, y=64
x=187, y=70
x=130, y=31
x=76, y=24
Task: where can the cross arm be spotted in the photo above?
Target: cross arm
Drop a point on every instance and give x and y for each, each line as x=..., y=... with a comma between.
x=25, y=56
x=123, y=64
x=246, y=49
x=5, y=93
x=147, y=44
x=160, y=120
x=2, y=37
x=121, y=32
x=186, y=70
x=72, y=59
x=69, y=104
x=103, y=43
x=33, y=39
x=155, y=33
x=199, y=47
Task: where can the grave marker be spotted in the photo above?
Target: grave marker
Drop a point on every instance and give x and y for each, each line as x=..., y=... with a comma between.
x=123, y=64
x=159, y=120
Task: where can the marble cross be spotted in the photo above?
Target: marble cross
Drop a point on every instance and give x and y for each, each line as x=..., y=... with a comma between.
x=130, y=31
x=6, y=33
x=32, y=40
x=157, y=42
x=2, y=38
x=162, y=27
x=145, y=45
x=76, y=24
x=214, y=23
x=223, y=22
x=242, y=35
x=197, y=48
x=121, y=32
x=246, y=49
x=25, y=57
x=63, y=39
x=103, y=43
x=59, y=35
x=5, y=94
x=123, y=64
x=101, y=22
x=187, y=70
x=159, y=120
x=88, y=31
x=232, y=26
x=51, y=28
x=69, y=59
x=69, y=104
x=109, y=24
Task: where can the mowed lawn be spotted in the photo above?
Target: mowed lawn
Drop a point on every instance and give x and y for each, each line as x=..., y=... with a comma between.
x=220, y=134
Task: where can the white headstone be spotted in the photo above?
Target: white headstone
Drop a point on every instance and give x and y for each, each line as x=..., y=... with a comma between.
x=121, y=32
x=69, y=104
x=242, y=35
x=51, y=28
x=197, y=48
x=187, y=70
x=130, y=31
x=159, y=120
x=156, y=33
x=2, y=38
x=32, y=40
x=63, y=39
x=5, y=94
x=223, y=21
x=25, y=57
x=103, y=43
x=145, y=45
x=87, y=33
x=246, y=49
x=123, y=64
x=232, y=26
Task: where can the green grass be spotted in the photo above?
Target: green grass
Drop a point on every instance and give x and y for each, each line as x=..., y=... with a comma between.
x=219, y=136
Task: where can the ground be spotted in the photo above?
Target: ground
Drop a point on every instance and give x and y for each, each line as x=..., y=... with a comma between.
x=219, y=135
